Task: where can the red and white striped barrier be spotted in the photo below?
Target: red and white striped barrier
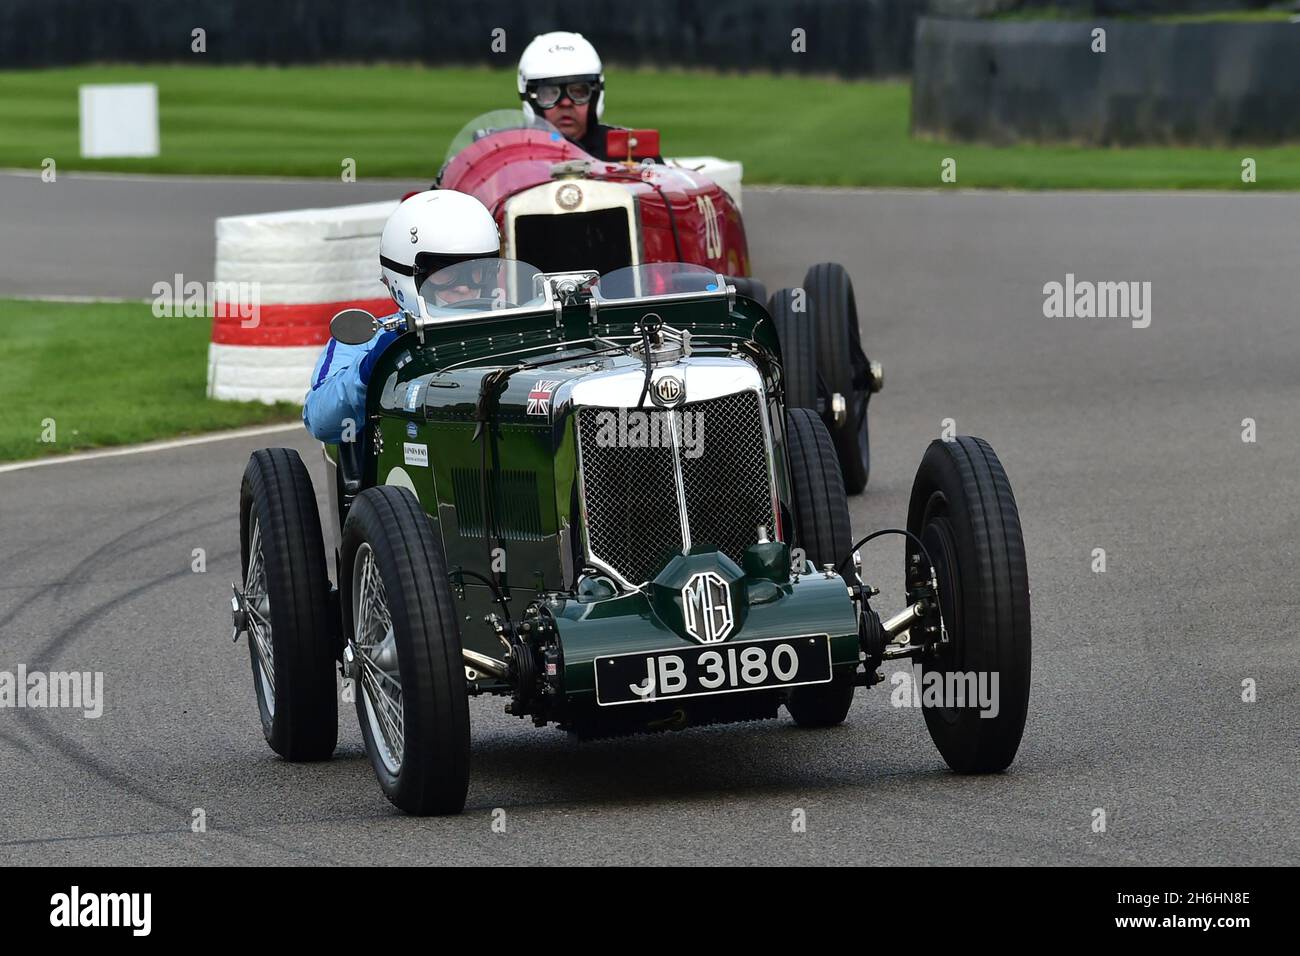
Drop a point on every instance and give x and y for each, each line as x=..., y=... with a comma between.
x=301, y=266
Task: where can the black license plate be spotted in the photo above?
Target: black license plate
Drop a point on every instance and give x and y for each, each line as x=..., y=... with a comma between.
x=723, y=668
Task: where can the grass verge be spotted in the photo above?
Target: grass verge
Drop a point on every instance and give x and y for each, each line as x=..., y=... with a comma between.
x=92, y=375
x=398, y=121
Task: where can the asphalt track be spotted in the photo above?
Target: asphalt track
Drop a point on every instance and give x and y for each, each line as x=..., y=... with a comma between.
x=1114, y=437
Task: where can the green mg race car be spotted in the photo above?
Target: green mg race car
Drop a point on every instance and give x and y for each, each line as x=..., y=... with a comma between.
x=589, y=495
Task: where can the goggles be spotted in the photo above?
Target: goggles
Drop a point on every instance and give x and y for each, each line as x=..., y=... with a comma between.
x=447, y=271
x=546, y=94
x=476, y=274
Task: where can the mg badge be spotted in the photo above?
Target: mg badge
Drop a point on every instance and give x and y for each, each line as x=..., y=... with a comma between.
x=706, y=603
x=668, y=391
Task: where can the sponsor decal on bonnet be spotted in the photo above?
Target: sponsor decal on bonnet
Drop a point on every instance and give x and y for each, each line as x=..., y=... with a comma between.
x=414, y=454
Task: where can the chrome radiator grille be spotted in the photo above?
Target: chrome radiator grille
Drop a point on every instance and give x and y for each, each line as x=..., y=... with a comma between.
x=633, y=496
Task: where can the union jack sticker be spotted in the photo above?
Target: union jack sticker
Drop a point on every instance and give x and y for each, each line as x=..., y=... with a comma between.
x=539, y=397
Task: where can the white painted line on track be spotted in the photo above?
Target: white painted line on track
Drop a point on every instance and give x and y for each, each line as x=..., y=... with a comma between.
x=77, y=299
x=152, y=446
x=199, y=179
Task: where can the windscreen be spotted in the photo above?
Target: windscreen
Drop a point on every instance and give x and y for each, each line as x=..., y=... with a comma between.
x=497, y=121
x=480, y=285
x=656, y=279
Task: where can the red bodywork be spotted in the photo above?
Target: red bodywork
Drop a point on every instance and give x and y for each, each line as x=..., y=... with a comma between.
x=708, y=226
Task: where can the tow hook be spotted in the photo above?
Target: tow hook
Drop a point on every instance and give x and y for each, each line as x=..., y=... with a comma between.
x=349, y=661
x=238, y=613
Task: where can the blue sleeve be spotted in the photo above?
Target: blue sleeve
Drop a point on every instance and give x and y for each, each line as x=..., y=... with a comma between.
x=338, y=387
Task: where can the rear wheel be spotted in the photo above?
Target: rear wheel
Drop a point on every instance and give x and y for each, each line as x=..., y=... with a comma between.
x=286, y=606
x=405, y=653
x=844, y=368
x=798, y=337
x=749, y=287
x=822, y=530
x=963, y=511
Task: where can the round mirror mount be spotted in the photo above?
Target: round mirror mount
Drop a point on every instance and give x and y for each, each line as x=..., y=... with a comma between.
x=353, y=326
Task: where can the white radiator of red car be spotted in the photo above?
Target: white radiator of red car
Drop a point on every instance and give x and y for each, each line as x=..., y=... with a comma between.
x=280, y=278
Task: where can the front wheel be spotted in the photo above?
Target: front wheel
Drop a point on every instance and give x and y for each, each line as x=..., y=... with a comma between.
x=822, y=530
x=963, y=511
x=285, y=606
x=798, y=338
x=404, y=652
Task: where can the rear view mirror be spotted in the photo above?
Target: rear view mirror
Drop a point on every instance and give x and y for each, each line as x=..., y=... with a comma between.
x=353, y=326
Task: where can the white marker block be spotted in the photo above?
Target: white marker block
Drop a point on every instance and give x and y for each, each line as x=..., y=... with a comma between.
x=119, y=119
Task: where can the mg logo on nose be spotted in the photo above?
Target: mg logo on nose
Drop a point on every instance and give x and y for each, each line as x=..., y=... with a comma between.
x=669, y=390
x=706, y=603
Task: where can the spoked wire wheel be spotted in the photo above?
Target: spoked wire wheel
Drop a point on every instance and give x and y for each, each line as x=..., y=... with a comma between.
x=284, y=606
x=403, y=648
x=258, y=606
x=378, y=672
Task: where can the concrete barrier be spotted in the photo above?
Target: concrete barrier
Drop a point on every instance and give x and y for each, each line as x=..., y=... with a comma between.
x=1156, y=83
x=302, y=267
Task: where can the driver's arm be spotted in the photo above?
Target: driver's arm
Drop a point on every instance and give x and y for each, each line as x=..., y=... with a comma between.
x=338, y=387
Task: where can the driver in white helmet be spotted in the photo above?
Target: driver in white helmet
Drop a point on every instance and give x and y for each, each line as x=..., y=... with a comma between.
x=561, y=79
x=432, y=232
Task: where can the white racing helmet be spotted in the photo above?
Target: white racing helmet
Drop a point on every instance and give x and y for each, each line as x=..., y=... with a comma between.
x=557, y=59
x=429, y=232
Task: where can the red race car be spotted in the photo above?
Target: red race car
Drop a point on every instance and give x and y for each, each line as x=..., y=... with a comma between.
x=562, y=210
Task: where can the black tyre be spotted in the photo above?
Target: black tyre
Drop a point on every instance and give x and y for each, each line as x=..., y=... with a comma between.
x=401, y=623
x=843, y=366
x=286, y=590
x=749, y=287
x=963, y=510
x=822, y=529
x=798, y=335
